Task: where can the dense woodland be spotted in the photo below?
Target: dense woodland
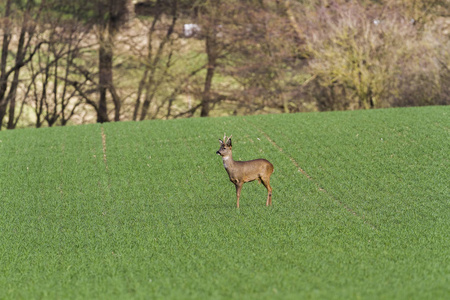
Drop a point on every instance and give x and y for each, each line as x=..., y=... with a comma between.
x=83, y=61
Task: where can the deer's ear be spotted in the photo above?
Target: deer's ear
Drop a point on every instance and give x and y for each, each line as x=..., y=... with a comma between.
x=220, y=141
x=229, y=142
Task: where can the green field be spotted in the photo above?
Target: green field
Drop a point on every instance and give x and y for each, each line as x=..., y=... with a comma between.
x=361, y=209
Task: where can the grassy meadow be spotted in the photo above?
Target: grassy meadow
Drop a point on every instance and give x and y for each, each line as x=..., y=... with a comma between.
x=145, y=210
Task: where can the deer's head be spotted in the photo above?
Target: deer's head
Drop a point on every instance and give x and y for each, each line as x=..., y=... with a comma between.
x=225, y=146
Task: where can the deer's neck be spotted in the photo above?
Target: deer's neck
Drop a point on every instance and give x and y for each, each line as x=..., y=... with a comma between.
x=227, y=161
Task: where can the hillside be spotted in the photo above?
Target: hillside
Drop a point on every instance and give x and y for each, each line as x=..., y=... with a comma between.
x=146, y=210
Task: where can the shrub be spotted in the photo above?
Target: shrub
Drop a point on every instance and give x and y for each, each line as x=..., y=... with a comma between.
x=367, y=58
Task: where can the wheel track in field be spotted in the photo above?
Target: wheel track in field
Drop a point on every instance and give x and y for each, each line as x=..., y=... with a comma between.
x=106, y=210
x=104, y=147
x=300, y=169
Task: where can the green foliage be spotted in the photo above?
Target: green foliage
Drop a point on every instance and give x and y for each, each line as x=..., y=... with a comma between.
x=146, y=210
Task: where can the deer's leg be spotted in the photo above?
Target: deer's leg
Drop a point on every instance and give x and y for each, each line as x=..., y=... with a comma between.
x=238, y=192
x=266, y=183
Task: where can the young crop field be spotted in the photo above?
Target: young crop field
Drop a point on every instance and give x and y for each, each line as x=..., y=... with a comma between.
x=145, y=210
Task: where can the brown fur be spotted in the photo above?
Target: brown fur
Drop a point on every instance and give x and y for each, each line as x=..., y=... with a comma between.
x=241, y=172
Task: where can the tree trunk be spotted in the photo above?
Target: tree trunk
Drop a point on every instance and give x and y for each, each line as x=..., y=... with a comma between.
x=11, y=98
x=152, y=64
x=147, y=99
x=20, y=57
x=206, y=96
x=116, y=101
x=3, y=62
x=139, y=94
x=105, y=75
x=20, y=61
x=212, y=58
x=12, y=101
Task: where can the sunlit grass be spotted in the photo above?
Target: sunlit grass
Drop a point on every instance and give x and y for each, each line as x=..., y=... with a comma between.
x=156, y=216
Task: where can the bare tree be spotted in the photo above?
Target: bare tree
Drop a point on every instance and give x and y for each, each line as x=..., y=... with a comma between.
x=211, y=22
x=155, y=69
x=166, y=74
x=61, y=57
x=24, y=52
x=215, y=20
x=263, y=58
x=53, y=74
x=110, y=15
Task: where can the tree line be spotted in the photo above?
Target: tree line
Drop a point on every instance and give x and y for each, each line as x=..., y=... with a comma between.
x=81, y=61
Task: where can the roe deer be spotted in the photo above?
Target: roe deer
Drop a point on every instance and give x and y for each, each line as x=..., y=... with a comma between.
x=241, y=172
